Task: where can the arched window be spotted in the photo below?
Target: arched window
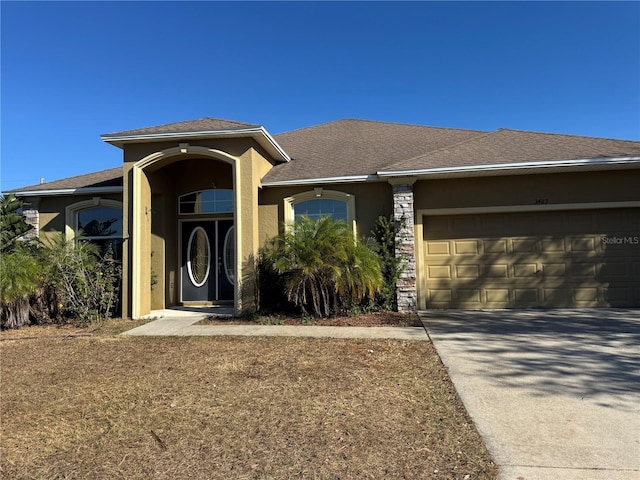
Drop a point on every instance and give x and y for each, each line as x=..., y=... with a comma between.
x=98, y=221
x=321, y=203
x=317, y=208
x=219, y=200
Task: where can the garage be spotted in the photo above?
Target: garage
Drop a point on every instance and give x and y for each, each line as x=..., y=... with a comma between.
x=541, y=259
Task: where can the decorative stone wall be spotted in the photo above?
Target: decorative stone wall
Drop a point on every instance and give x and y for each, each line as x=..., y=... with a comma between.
x=32, y=217
x=405, y=248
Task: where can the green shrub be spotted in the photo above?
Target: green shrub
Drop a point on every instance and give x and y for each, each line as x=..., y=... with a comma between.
x=322, y=267
x=19, y=274
x=384, y=234
x=18, y=268
x=86, y=285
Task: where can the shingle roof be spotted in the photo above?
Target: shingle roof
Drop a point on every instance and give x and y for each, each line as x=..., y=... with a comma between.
x=357, y=147
x=517, y=146
x=103, y=178
x=206, y=124
x=352, y=148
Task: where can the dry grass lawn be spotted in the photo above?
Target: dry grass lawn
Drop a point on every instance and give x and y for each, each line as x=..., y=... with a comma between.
x=232, y=408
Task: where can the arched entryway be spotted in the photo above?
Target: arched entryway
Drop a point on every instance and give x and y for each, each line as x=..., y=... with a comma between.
x=184, y=204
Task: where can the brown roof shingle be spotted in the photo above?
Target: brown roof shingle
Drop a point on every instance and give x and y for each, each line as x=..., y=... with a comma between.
x=518, y=146
x=357, y=147
x=206, y=124
x=104, y=178
x=350, y=147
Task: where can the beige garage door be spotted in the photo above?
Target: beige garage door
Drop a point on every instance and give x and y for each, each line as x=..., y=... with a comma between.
x=527, y=260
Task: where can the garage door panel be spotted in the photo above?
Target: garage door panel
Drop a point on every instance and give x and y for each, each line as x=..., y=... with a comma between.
x=467, y=271
x=578, y=221
x=554, y=269
x=465, y=225
x=527, y=296
x=583, y=245
x=585, y=294
x=439, y=271
x=618, y=294
x=553, y=245
x=440, y=296
x=551, y=259
x=611, y=220
x=466, y=247
x=525, y=270
x=496, y=271
x=471, y=295
x=582, y=270
x=494, y=246
x=614, y=271
x=553, y=223
x=560, y=297
x=438, y=248
x=524, y=245
x=493, y=223
x=497, y=295
x=521, y=222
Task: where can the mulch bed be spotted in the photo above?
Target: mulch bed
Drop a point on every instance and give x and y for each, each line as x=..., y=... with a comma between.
x=378, y=319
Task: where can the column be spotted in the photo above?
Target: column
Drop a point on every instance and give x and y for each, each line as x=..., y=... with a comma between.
x=405, y=243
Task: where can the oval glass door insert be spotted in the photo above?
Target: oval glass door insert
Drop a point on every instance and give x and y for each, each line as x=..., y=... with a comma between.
x=198, y=255
x=229, y=255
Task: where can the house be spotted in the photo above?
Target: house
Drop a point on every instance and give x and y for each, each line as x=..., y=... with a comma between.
x=487, y=219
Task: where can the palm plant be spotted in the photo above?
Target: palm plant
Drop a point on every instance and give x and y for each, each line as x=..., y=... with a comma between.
x=12, y=222
x=323, y=265
x=18, y=280
x=18, y=269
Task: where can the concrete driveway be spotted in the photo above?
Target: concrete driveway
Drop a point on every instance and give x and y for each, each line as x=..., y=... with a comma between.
x=555, y=394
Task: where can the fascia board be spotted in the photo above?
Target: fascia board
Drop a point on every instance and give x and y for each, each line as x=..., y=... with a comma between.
x=67, y=191
x=259, y=134
x=600, y=161
x=275, y=144
x=325, y=180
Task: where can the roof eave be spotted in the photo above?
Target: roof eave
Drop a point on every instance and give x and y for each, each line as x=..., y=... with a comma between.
x=323, y=180
x=67, y=191
x=584, y=164
x=260, y=134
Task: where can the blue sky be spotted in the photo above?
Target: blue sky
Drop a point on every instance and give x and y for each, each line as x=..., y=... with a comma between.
x=74, y=70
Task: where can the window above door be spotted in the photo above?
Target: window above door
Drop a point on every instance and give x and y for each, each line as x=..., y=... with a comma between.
x=218, y=200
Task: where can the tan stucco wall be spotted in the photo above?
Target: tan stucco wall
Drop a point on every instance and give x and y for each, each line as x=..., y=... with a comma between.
x=581, y=187
x=371, y=199
x=241, y=166
x=232, y=146
x=127, y=214
x=52, y=210
x=518, y=192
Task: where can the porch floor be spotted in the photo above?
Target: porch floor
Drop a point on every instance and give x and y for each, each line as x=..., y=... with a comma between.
x=194, y=313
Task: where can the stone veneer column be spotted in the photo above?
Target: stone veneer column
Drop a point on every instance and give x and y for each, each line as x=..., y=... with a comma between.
x=31, y=214
x=405, y=243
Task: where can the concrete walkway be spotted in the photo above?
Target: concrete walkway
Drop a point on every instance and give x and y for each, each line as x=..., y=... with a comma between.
x=180, y=322
x=555, y=394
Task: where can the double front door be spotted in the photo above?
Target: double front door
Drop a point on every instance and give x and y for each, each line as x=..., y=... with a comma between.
x=208, y=261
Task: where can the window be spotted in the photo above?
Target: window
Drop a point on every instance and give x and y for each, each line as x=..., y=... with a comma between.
x=218, y=200
x=320, y=203
x=321, y=207
x=97, y=221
